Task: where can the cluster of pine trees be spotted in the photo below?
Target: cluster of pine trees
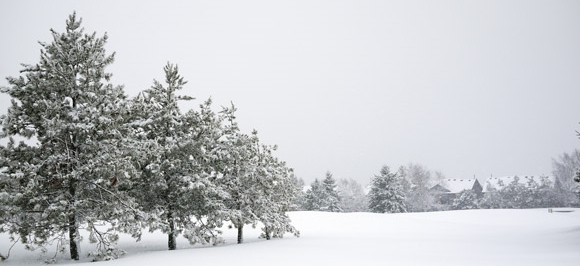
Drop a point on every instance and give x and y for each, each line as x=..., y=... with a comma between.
x=406, y=190
x=331, y=195
x=401, y=191
x=323, y=195
x=107, y=164
x=531, y=193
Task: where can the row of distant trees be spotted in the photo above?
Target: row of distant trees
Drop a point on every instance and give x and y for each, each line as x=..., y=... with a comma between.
x=562, y=190
x=516, y=194
x=99, y=161
x=409, y=190
x=329, y=194
x=409, y=186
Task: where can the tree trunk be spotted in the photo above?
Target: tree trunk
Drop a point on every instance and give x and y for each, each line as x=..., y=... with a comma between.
x=73, y=230
x=267, y=233
x=171, y=242
x=240, y=233
x=73, y=235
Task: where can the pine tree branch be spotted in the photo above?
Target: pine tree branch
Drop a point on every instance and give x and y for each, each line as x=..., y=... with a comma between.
x=121, y=201
x=2, y=257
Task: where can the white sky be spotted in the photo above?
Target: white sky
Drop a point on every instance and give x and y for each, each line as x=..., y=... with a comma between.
x=464, y=87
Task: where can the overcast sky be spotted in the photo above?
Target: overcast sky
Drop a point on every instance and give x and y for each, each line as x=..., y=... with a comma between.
x=464, y=87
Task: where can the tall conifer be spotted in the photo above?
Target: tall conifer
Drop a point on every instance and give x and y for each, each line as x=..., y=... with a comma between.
x=79, y=170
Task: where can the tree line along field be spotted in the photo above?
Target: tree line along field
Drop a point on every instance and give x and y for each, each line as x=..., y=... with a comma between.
x=414, y=188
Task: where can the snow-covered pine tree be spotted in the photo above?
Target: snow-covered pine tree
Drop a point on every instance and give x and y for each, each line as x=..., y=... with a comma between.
x=258, y=185
x=204, y=195
x=279, y=193
x=14, y=161
x=299, y=200
x=331, y=199
x=78, y=171
x=322, y=195
x=176, y=188
x=158, y=121
x=207, y=151
x=387, y=194
x=313, y=197
x=238, y=167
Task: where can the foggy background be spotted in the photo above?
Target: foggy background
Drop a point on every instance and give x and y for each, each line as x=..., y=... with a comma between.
x=467, y=88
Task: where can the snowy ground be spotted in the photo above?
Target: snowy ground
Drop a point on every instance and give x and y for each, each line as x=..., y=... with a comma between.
x=480, y=237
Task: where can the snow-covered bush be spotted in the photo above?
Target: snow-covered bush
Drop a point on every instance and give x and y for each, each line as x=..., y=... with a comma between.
x=466, y=200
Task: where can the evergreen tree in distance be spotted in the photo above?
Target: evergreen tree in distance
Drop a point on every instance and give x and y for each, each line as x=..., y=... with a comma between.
x=313, y=196
x=387, y=194
x=323, y=195
x=79, y=172
x=331, y=199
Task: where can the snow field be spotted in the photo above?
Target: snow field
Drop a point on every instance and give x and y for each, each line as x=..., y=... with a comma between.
x=475, y=237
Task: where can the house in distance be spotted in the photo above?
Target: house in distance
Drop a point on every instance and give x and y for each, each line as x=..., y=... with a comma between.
x=448, y=190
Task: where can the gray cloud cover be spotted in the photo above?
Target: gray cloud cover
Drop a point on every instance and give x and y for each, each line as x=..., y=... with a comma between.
x=465, y=87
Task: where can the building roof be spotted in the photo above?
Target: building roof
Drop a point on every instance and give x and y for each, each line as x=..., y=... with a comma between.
x=455, y=185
